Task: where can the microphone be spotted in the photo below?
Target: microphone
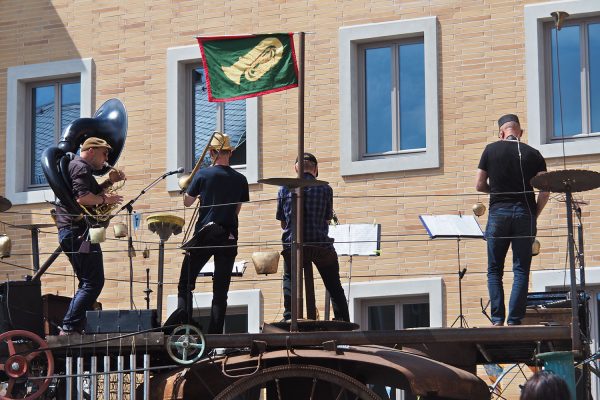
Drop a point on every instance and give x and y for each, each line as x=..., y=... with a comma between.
x=177, y=171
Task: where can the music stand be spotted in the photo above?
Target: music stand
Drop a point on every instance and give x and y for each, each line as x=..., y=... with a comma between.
x=457, y=227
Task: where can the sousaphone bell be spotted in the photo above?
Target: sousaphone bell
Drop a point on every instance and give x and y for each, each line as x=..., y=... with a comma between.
x=109, y=123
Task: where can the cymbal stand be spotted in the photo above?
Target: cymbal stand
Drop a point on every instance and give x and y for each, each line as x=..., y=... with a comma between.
x=575, y=329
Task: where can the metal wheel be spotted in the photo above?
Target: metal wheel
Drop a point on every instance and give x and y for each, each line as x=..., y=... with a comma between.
x=25, y=365
x=186, y=344
x=509, y=381
x=297, y=382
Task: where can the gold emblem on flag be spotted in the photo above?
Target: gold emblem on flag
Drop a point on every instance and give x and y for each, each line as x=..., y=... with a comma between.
x=257, y=62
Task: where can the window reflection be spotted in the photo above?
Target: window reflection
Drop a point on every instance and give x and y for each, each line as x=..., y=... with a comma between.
x=378, y=113
x=566, y=103
x=594, y=71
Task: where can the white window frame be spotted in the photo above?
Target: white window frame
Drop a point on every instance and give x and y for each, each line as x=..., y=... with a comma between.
x=17, y=181
x=350, y=38
x=178, y=142
x=536, y=15
x=251, y=300
x=431, y=288
x=397, y=302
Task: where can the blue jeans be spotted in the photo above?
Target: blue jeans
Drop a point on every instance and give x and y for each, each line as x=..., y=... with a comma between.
x=509, y=225
x=89, y=269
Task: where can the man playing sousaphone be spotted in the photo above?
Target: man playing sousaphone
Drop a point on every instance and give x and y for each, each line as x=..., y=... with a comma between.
x=72, y=230
x=220, y=190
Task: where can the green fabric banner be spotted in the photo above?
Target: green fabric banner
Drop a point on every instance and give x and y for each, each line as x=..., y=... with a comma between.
x=238, y=67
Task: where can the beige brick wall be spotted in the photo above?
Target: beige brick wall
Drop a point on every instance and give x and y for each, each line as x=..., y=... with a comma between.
x=481, y=76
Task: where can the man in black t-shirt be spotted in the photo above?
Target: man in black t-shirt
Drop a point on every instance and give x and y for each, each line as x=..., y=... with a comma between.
x=505, y=170
x=72, y=230
x=221, y=191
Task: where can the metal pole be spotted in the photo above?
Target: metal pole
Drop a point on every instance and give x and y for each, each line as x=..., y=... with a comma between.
x=300, y=199
x=47, y=264
x=35, y=248
x=159, y=290
x=146, y=376
x=120, y=368
x=79, y=378
x=69, y=378
x=575, y=333
x=132, y=365
x=294, y=265
x=107, y=377
x=93, y=377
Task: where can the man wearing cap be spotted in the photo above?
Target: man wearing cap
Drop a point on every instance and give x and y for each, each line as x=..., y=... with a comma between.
x=72, y=230
x=221, y=191
x=318, y=249
x=505, y=170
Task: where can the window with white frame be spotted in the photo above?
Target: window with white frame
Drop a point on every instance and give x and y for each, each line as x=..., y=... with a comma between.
x=563, y=78
x=396, y=304
x=42, y=99
x=244, y=310
x=207, y=117
x=53, y=105
x=389, y=97
x=191, y=118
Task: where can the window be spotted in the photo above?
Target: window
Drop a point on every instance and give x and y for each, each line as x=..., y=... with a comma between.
x=53, y=106
x=207, y=117
x=395, y=313
x=563, y=78
x=42, y=99
x=191, y=118
x=575, y=52
x=244, y=310
x=388, y=97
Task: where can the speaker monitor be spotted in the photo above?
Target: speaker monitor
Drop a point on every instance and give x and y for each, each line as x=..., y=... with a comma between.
x=21, y=306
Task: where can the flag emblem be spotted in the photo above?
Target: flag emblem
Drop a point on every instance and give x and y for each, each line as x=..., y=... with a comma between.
x=238, y=67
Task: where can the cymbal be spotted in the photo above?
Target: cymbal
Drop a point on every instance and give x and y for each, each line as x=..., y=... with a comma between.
x=292, y=183
x=567, y=180
x=5, y=204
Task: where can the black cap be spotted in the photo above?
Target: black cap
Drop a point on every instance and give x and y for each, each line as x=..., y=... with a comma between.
x=309, y=157
x=508, y=118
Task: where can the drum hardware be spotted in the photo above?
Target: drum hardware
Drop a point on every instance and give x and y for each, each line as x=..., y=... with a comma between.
x=147, y=291
x=163, y=225
x=478, y=209
x=146, y=252
x=120, y=229
x=5, y=246
x=535, y=248
x=265, y=262
x=5, y=204
x=97, y=234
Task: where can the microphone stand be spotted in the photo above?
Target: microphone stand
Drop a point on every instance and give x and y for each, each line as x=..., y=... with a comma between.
x=130, y=249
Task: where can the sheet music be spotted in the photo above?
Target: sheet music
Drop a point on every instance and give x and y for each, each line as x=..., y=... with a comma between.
x=238, y=269
x=356, y=239
x=451, y=226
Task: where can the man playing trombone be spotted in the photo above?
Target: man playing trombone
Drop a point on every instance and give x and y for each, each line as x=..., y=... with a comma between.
x=220, y=190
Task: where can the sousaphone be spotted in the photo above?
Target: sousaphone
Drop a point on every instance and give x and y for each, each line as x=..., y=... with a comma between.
x=108, y=123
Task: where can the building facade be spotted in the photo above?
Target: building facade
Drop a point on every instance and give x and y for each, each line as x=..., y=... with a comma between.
x=401, y=99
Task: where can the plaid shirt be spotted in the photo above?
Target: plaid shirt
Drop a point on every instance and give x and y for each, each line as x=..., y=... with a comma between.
x=318, y=210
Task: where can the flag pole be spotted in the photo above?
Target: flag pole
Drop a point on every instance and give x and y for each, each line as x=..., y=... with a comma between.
x=296, y=273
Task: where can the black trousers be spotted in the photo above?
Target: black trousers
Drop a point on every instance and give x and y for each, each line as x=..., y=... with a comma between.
x=326, y=261
x=224, y=255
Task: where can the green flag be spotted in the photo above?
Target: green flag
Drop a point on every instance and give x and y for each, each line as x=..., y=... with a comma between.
x=238, y=67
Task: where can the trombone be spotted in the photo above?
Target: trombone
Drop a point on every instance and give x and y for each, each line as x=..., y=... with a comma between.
x=185, y=180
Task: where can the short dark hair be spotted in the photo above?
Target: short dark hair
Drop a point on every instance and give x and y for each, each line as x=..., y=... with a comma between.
x=545, y=385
